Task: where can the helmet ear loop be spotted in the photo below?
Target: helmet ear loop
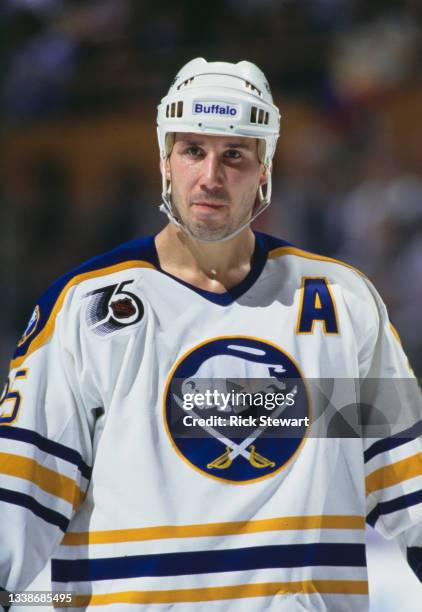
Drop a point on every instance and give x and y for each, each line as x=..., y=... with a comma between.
x=262, y=200
x=166, y=183
x=168, y=188
x=167, y=206
x=265, y=198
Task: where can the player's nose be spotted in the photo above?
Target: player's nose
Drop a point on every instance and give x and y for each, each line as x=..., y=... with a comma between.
x=211, y=175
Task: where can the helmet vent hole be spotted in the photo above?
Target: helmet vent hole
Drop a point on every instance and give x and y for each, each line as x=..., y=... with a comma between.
x=185, y=83
x=173, y=109
x=252, y=88
x=259, y=116
x=180, y=109
x=168, y=110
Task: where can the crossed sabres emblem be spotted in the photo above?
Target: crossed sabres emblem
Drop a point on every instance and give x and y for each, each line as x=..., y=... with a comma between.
x=233, y=450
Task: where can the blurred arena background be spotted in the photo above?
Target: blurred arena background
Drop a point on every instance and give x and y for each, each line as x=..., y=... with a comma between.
x=80, y=81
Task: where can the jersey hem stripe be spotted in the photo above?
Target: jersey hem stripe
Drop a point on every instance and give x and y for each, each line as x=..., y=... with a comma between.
x=209, y=561
x=241, y=591
x=214, y=529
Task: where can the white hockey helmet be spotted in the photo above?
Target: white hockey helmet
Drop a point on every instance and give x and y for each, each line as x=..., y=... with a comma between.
x=219, y=98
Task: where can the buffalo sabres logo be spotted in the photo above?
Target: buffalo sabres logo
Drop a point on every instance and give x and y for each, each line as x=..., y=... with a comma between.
x=112, y=308
x=236, y=409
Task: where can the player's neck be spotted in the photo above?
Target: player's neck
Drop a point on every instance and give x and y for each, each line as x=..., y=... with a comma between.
x=212, y=266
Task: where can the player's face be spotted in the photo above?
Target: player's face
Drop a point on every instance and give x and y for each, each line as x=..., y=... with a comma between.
x=214, y=182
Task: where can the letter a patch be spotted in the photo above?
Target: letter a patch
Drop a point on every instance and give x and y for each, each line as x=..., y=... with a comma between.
x=316, y=304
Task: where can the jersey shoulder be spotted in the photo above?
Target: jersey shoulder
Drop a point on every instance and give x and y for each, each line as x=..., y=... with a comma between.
x=135, y=254
x=308, y=260
x=307, y=263
x=298, y=264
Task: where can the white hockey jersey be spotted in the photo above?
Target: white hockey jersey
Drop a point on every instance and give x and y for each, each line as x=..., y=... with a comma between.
x=126, y=457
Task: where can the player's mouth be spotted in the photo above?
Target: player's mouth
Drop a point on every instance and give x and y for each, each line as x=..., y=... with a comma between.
x=207, y=205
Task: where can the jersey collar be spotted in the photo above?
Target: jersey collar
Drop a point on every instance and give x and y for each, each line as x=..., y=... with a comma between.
x=259, y=259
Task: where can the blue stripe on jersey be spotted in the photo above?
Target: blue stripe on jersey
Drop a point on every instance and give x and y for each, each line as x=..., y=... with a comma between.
x=48, y=515
x=399, y=503
x=48, y=446
x=386, y=444
x=138, y=249
x=414, y=558
x=204, y=562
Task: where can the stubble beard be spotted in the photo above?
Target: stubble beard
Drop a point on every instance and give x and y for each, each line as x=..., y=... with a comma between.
x=211, y=230
x=207, y=231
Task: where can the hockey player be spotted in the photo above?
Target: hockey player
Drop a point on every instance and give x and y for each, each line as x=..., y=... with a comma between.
x=136, y=447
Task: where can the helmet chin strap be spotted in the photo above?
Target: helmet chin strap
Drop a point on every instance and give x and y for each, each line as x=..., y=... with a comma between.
x=167, y=208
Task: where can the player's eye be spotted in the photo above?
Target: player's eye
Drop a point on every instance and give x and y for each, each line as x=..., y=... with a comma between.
x=233, y=154
x=193, y=151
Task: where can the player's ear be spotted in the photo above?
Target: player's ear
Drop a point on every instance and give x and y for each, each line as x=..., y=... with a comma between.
x=263, y=175
x=167, y=165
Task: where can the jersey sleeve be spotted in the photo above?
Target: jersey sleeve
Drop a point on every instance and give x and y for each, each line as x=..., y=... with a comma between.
x=393, y=442
x=45, y=444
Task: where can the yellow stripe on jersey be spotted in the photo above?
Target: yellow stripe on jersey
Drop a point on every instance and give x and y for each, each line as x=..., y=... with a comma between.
x=390, y=475
x=47, y=331
x=46, y=479
x=395, y=333
x=286, y=250
x=214, y=529
x=241, y=591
